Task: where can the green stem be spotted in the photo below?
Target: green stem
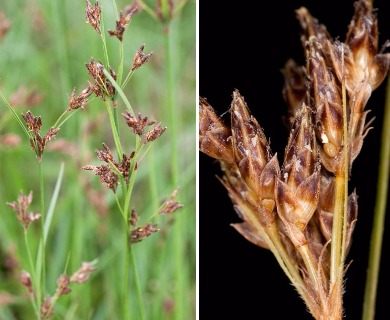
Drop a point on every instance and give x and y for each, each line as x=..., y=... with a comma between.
x=41, y=269
x=379, y=216
x=120, y=67
x=140, y=301
x=172, y=111
x=15, y=115
x=126, y=275
x=104, y=46
x=172, y=124
x=114, y=130
x=30, y=260
x=119, y=90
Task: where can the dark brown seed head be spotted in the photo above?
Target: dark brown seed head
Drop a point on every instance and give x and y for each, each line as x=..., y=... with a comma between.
x=311, y=27
x=102, y=85
x=214, y=136
x=137, y=124
x=77, y=102
x=140, y=233
x=170, y=205
x=92, y=15
x=20, y=207
x=251, y=148
x=140, y=58
x=124, y=19
x=155, y=133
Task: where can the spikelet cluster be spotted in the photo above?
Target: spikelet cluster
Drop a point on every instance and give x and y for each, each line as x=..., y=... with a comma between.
x=290, y=207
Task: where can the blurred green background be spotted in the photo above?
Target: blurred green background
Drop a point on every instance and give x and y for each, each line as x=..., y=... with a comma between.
x=42, y=58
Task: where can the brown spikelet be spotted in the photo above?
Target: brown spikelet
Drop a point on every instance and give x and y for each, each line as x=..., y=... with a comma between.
x=121, y=24
x=214, y=135
x=92, y=14
x=140, y=58
x=302, y=211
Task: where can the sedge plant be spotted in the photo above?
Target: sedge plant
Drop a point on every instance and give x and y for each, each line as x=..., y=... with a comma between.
x=122, y=161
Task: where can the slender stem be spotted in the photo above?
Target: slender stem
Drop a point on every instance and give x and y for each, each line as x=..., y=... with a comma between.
x=30, y=260
x=140, y=301
x=15, y=114
x=173, y=120
x=42, y=270
x=125, y=308
x=379, y=216
x=119, y=90
x=114, y=129
x=128, y=77
x=172, y=111
x=104, y=47
x=120, y=67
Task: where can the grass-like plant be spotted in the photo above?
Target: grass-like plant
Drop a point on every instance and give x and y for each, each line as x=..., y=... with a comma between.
x=301, y=209
x=139, y=173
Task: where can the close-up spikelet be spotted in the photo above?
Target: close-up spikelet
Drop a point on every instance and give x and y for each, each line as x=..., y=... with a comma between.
x=299, y=201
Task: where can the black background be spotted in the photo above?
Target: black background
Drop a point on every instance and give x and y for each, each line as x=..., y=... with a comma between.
x=244, y=47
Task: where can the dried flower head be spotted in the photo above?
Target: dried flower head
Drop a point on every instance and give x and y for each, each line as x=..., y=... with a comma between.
x=38, y=144
x=155, y=133
x=102, y=85
x=302, y=212
x=109, y=172
x=170, y=205
x=140, y=58
x=137, y=124
x=121, y=24
x=21, y=209
x=140, y=233
x=92, y=15
x=214, y=135
x=81, y=100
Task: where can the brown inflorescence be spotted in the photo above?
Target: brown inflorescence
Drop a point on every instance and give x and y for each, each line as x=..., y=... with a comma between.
x=140, y=233
x=92, y=14
x=37, y=142
x=20, y=207
x=140, y=58
x=138, y=124
x=170, y=205
x=109, y=172
x=102, y=86
x=121, y=24
x=291, y=209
